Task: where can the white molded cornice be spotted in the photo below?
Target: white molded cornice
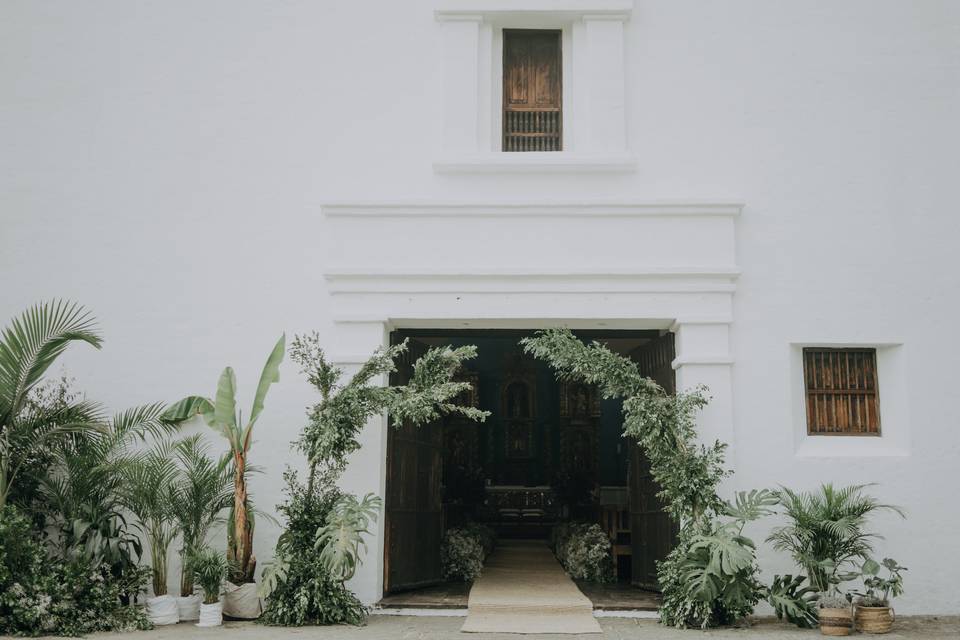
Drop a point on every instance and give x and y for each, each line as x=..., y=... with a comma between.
x=613, y=208
x=524, y=280
x=446, y=9
x=536, y=162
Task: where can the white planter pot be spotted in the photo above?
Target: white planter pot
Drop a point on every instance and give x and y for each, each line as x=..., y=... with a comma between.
x=189, y=608
x=163, y=610
x=211, y=615
x=242, y=601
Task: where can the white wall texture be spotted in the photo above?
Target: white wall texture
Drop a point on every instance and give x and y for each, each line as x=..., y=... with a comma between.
x=165, y=163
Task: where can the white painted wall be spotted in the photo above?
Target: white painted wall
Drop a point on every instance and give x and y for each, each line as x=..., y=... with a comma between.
x=165, y=163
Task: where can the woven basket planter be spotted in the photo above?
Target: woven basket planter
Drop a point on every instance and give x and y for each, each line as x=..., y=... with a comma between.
x=836, y=622
x=874, y=619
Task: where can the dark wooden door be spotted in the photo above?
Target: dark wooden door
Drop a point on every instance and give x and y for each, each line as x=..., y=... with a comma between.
x=413, y=511
x=652, y=532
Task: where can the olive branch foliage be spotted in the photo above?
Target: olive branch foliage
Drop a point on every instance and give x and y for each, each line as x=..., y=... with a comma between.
x=320, y=547
x=710, y=577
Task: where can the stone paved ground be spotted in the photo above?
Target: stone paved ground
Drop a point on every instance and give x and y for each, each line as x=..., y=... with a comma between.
x=420, y=628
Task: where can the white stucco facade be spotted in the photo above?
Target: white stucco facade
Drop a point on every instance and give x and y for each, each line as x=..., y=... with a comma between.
x=757, y=177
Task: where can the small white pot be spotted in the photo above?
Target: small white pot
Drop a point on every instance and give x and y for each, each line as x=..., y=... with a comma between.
x=163, y=610
x=211, y=615
x=189, y=608
x=242, y=601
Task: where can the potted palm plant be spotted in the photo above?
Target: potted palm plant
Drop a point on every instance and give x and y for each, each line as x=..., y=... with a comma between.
x=874, y=613
x=148, y=493
x=202, y=491
x=209, y=568
x=826, y=533
x=242, y=600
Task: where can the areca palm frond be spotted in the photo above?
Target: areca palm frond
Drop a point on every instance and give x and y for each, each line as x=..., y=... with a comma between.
x=827, y=529
x=148, y=492
x=203, y=490
x=88, y=467
x=29, y=345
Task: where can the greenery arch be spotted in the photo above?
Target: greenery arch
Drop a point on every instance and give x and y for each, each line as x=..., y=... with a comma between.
x=710, y=577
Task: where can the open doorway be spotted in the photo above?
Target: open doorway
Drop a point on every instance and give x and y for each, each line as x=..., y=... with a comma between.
x=550, y=452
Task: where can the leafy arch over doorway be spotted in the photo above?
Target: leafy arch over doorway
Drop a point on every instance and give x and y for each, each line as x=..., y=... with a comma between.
x=688, y=473
x=663, y=424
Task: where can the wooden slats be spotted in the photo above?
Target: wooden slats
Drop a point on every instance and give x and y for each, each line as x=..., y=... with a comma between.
x=532, y=130
x=841, y=391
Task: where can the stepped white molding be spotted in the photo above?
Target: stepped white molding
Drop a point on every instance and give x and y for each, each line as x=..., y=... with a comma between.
x=451, y=9
x=566, y=209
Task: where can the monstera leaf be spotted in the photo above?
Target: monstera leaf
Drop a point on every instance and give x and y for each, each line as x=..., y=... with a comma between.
x=340, y=540
x=728, y=553
x=793, y=601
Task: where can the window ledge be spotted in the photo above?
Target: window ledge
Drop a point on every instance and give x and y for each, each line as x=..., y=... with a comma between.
x=851, y=447
x=534, y=162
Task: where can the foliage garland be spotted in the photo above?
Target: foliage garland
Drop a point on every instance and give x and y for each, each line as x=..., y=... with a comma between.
x=319, y=549
x=710, y=577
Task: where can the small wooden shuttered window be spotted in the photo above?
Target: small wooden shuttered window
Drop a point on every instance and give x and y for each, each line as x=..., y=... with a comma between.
x=532, y=115
x=842, y=394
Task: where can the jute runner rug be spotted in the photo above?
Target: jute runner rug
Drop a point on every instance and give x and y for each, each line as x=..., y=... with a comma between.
x=523, y=589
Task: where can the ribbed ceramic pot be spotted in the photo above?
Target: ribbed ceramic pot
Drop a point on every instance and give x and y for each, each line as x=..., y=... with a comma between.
x=835, y=622
x=874, y=619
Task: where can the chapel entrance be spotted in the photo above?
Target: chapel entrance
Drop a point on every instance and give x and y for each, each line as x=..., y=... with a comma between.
x=551, y=451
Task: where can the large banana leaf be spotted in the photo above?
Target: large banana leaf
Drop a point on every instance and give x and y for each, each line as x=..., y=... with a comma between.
x=225, y=405
x=270, y=374
x=189, y=407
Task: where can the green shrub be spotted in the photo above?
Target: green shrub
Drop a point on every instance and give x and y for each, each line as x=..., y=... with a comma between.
x=301, y=590
x=461, y=555
x=42, y=595
x=584, y=551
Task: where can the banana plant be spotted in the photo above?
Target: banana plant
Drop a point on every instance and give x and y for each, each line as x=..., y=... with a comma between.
x=221, y=414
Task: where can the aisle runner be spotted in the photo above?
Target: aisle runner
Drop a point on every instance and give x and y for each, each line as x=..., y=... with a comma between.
x=523, y=589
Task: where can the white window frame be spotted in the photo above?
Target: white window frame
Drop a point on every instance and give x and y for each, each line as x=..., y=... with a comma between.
x=593, y=85
x=894, y=438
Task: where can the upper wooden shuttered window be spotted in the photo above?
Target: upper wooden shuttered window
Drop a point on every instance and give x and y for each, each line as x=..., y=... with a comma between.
x=532, y=114
x=842, y=394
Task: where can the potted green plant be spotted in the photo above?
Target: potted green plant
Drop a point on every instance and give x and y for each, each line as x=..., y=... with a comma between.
x=835, y=613
x=221, y=413
x=209, y=569
x=826, y=531
x=874, y=613
x=202, y=492
x=148, y=493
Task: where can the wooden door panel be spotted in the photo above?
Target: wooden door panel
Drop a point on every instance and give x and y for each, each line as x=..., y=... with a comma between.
x=413, y=511
x=653, y=532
